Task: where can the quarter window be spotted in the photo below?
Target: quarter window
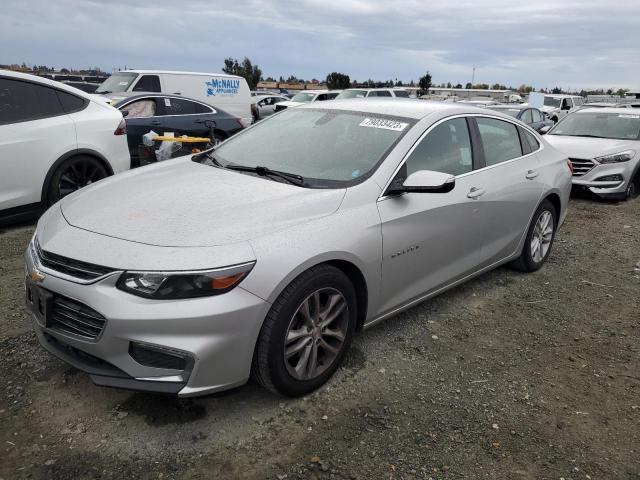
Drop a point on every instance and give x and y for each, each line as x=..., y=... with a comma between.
x=499, y=139
x=148, y=83
x=531, y=140
x=71, y=103
x=446, y=149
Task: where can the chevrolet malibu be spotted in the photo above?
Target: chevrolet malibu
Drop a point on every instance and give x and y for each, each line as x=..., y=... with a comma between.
x=604, y=147
x=264, y=256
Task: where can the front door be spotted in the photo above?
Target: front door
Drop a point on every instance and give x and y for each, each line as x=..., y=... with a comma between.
x=432, y=239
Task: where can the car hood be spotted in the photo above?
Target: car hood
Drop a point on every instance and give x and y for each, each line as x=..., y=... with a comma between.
x=289, y=103
x=182, y=203
x=584, y=147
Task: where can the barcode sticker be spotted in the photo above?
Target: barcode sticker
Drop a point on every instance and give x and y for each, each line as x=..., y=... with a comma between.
x=384, y=124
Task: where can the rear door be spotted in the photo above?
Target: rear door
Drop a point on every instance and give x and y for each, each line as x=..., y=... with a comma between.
x=144, y=116
x=432, y=239
x=511, y=191
x=34, y=132
x=185, y=117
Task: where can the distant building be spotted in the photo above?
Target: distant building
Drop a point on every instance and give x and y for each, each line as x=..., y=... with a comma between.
x=291, y=86
x=467, y=93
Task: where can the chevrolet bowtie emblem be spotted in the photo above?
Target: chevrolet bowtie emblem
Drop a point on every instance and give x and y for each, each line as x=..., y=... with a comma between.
x=36, y=276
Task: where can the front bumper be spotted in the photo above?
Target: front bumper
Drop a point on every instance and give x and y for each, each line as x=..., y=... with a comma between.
x=216, y=335
x=596, y=182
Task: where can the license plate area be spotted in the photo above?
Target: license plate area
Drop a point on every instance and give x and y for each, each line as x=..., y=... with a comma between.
x=39, y=302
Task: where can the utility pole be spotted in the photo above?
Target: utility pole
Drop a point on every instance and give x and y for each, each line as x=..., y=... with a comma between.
x=473, y=76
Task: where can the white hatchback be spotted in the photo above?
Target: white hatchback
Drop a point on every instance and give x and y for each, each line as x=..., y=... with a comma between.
x=54, y=140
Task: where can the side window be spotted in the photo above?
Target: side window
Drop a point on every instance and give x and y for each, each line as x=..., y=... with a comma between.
x=526, y=117
x=531, y=140
x=537, y=117
x=179, y=106
x=71, y=103
x=277, y=100
x=446, y=149
x=499, y=139
x=23, y=101
x=141, y=108
x=148, y=83
x=381, y=93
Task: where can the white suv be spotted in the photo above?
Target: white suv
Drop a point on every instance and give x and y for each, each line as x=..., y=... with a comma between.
x=54, y=139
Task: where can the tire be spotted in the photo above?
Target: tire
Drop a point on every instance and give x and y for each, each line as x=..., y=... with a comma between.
x=633, y=189
x=528, y=262
x=73, y=174
x=272, y=368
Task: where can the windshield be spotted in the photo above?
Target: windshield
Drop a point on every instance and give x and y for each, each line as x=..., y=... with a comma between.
x=552, y=102
x=352, y=94
x=329, y=148
x=618, y=126
x=507, y=111
x=118, y=82
x=303, y=97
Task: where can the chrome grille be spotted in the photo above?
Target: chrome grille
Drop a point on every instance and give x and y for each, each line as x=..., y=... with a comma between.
x=68, y=266
x=581, y=166
x=69, y=316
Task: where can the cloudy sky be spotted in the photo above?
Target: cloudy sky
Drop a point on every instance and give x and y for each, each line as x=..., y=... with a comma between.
x=570, y=43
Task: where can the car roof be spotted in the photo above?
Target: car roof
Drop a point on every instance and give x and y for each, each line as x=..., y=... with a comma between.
x=616, y=110
x=257, y=98
x=48, y=82
x=399, y=107
x=561, y=95
x=177, y=72
x=503, y=106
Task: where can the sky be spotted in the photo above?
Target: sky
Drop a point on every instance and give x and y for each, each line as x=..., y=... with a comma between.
x=572, y=44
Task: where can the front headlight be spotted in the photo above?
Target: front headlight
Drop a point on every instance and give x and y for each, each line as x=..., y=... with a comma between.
x=616, y=157
x=176, y=285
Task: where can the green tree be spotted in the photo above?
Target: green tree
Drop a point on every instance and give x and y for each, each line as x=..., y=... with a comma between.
x=468, y=85
x=251, y=73
x=622, y=92
x=425, y=83
x=338, y=81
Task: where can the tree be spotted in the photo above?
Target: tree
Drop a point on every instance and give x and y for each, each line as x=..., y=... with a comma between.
x=622, y=92
x=468, y=85
x=338, y=81
x=448, y=84
x=251, y=73
x=556, y=90
x=425, y=83
x=459, y=85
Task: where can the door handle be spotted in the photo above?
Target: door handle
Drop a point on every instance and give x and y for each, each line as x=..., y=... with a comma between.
x=475, y=192
x=155, y=122
x=531, y=174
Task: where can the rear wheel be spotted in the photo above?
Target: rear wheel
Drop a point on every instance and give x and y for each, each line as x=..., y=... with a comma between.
x=306, y=333
x=539, y=240
x=73, y=174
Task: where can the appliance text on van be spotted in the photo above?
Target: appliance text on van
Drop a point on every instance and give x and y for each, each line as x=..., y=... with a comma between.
x=222, y=86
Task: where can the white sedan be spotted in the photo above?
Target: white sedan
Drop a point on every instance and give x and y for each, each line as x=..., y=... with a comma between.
x=54, y=140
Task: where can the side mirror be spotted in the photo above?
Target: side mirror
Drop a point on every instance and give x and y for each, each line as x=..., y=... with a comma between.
x=125, y=113
x=544, y=129
x=566, y=107
x=424, y=181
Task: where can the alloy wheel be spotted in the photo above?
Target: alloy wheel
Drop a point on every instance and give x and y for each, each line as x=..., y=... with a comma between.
x=78, y=174
x=316, y=334
x=542, y=236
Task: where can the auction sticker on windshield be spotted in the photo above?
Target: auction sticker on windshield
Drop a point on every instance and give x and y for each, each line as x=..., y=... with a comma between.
x=384, y=124
x=628, y=116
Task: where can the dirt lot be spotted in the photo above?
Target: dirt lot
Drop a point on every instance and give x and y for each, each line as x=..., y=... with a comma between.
x=510, y=376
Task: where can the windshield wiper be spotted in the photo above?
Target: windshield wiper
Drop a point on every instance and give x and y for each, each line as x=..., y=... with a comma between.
x=265, y=171
x=208, y=154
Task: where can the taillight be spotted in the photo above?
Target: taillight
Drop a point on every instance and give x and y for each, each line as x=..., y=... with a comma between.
x=570, y=165
x=122, y=128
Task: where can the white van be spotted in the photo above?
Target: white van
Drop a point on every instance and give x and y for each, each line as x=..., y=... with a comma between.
x=227, y=92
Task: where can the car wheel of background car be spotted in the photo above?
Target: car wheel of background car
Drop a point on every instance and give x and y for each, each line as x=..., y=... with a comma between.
x=539, y=240
x=633, y=189
x=307, y=332
x=73, y=174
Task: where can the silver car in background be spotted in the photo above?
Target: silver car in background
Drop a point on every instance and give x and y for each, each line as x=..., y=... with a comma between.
x=604, y=147
x=263, y=256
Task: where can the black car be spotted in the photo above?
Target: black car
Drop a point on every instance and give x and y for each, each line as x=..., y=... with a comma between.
x=531, y=116
x=173, y=113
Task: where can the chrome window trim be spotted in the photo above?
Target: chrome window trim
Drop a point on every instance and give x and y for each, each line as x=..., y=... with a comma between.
x=213, y=110
x=453, y=117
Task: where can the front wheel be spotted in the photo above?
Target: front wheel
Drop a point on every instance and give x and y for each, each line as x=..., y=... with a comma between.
x=633, y=189
x=539, y=239
x=73, y=174
x=306, y=333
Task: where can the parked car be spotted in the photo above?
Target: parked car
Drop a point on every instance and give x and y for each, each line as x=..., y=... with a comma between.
x=265, y=105
x=373, y=92
x=531, y=116
x=557, y=106
x=54, y=139
x=604, y=147
x=307, y=96
x=228, y=92
x=266, y=254
x=176, y=114
x=480, y=102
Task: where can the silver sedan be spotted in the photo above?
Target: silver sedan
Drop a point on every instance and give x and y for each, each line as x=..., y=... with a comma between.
x=265, y=255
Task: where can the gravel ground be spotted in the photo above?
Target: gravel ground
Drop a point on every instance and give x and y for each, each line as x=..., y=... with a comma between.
x=509, y=376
